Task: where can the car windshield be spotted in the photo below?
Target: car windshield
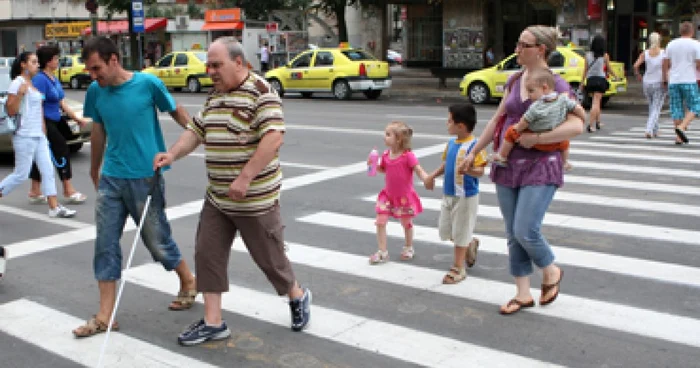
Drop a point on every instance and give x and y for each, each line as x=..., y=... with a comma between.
x=356, y=55
x=202, y=56
x=4, y=80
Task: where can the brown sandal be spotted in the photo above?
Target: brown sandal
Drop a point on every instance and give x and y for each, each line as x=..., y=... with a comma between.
x=93, y=327
x=454, y=276
x=547, y=288
x=517, y=302
x=183, y=301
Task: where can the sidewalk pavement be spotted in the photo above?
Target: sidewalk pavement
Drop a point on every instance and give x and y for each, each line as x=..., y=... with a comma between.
x=419, y=84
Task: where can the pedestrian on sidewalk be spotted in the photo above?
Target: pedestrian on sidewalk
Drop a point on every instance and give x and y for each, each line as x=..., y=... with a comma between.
x=526, y=187
x=681, y=59
x=242, y=128
x=56, y=114
x=460, y=201
x=596, y=63
x=397, y=199
x=126, y=135
x=652, y=82
x=29, y=140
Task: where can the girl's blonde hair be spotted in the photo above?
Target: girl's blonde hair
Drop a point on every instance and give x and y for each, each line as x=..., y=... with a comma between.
x=654, y=40
x=403, y=134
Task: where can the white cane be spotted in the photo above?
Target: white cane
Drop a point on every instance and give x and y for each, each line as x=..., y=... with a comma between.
x=156, y=182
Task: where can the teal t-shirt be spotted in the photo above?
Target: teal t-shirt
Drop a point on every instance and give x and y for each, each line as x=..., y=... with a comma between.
x=130, y=120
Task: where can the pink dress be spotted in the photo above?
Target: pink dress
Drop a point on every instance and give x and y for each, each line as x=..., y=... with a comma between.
x=398, y=198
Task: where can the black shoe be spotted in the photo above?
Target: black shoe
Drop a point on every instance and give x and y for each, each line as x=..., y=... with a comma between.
x=681, y=135
x=199, y=332
x=301, y=311
x=597, y=125
x=3, y=258
x=588, y=128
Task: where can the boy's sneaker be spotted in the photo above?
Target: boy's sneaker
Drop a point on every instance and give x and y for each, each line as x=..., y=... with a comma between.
x=3, y=261
x=200, y=332
x=471, y=252
x=61, y=212
x=301, y=311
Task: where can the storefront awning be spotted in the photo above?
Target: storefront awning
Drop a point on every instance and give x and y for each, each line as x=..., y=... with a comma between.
x=122, y=26
x=221, y=26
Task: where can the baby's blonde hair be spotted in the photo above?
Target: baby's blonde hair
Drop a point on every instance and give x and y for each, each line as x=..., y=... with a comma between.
x=403, y=133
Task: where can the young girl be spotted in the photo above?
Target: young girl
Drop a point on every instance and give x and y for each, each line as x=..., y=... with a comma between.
x=398, y=198
x=29, y=141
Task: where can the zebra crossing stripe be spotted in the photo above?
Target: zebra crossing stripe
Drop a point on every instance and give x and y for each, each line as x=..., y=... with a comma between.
x=407, y=344
x=597, y=200
x=587, y=224
x=50, y=330
x=633, y=267
x=639, y=148
x=619, y=317
x=648, y=144
x=43, y=217
x=632, y=184
x=645, y=170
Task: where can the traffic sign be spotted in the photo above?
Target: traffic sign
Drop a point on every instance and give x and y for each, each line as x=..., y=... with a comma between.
x=271, y=27
x=137, y=16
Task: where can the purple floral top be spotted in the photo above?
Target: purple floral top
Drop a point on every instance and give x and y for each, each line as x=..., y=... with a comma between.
x=527, y=166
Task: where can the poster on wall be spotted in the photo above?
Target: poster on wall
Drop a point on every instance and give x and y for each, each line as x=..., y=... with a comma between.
x=463, y=48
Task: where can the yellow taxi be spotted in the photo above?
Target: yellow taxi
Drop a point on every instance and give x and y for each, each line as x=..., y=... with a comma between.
x=482, y=85
x=182, y=69
x=340, y=71
x=71, y=70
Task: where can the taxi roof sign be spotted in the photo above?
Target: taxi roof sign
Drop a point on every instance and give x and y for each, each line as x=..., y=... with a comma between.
x=344, y=45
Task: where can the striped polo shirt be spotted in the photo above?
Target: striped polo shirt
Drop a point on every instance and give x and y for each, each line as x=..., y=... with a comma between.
x=231, y=126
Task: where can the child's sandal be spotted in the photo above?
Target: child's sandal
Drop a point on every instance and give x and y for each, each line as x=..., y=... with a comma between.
x=379, y=257
x=407, y=253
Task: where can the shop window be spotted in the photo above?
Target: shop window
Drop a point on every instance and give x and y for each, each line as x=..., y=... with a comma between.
x=181, y=60
x=324, y=59
x=555, y=60
x=303, y=61
x=166, y=61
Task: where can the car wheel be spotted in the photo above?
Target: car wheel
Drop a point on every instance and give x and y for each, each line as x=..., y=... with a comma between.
x=478, y=93
x=75, y=147
x=306, y=94
x=193, y=85
x=341, y=90
x=373, y=94
x=275, y=83
x=74, y=83
x=177, y=89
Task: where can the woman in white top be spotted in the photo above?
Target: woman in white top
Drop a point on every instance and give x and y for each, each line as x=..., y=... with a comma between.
x=652, y=81
x=29, y=141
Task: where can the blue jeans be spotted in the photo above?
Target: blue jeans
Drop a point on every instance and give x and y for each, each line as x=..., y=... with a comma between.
x=28, y=150
x=117, y=199
x=523, y=211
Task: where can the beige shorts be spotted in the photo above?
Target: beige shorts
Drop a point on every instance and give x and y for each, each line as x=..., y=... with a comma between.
x=458, y=219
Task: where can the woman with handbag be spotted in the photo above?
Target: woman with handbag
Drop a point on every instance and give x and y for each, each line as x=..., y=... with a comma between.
x=29, y=140
x=596, y=63
x=56, y=113
x=526, y=186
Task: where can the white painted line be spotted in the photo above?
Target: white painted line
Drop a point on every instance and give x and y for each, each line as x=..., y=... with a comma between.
x=639, y=148
x=44, y=217
x=597, y=200
x=377, y=133
x=587, y=224
x=627, y=266
x=50, y=330
x=632, y=185
x=634, y=156
x=644, y=170
x=641, y=134
x=378, y=337
x=417, y=117
x=646, y=143
x=283, y=163
x=689, y=133
x=619, y=317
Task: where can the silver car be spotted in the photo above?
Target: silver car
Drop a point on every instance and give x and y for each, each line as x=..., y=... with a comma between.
x=80, y=135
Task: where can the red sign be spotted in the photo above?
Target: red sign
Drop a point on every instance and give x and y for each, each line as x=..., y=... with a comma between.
x=223, y=15
x=595, y=9
x=271, y=27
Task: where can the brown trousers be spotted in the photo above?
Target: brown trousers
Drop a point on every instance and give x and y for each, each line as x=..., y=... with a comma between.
x=262, y=235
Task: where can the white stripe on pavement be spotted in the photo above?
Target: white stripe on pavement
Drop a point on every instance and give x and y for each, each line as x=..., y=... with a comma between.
x=43, y=217
x=634, y=267
x=50, y=330
x=587, y=224
x=598, y=200
x=406, y=344
x=282, y=163
x=632, y=184
x=619, y=317
x=575, y=152
x=639, y=148
x=650, y=143
x=689, y=133
x=646, y=170
x=662, y=136
x=376, y=133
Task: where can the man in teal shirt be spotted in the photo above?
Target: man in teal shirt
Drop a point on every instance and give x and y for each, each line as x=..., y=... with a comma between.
x=122, y=105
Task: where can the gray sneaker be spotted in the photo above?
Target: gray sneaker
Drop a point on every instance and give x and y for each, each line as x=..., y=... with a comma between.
x=61, y=212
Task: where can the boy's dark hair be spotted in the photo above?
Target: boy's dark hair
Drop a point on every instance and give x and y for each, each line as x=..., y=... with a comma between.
x=46, y=53
x=101, y=45
x=16, y=68
x=464, y=113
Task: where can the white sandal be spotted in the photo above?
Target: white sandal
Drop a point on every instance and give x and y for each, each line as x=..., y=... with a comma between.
x=379, y=257
x=407, y=253
x=39, y=199
x=76, y=198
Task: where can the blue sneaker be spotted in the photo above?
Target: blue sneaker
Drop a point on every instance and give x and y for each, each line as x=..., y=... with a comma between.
x=199, y=332
x=301, y=311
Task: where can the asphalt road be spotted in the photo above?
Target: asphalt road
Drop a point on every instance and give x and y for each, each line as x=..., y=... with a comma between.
x=624, y=226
